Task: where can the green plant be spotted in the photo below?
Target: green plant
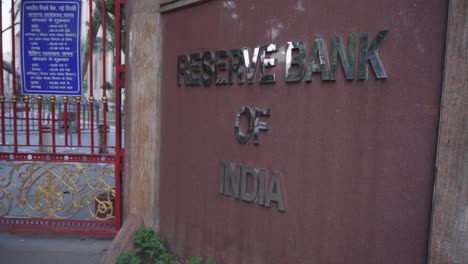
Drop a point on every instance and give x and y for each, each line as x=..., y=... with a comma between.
x=195, y=260
x=149, y=249
x=128, y=258
x=199, y=260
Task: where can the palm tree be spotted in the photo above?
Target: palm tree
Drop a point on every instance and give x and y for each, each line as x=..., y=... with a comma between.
x=6, y=64
x=97, y=22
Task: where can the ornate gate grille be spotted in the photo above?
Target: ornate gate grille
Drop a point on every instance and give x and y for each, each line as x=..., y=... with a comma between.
x=61, y=158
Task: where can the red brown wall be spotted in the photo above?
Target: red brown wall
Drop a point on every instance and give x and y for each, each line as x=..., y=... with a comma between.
x=356, y=157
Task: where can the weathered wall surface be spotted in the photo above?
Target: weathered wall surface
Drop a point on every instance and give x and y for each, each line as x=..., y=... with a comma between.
x=449, y=238
x=356, y=157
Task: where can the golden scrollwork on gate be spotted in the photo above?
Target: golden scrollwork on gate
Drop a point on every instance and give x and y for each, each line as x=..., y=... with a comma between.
x=54, y=190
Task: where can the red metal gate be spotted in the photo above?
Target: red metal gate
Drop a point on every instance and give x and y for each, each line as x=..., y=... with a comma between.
x=61, y=158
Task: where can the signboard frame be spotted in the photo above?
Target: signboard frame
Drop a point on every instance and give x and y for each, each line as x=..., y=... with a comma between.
x=73, y=76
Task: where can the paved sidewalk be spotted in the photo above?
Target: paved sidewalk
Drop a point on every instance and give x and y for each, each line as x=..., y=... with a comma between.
x=46, y=249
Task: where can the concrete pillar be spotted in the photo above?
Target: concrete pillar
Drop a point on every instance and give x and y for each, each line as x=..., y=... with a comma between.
x=142, y=125
x=46, y=137
x=449, y=232
x=102, y=147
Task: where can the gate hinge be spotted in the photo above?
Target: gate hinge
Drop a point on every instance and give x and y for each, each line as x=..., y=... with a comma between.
x=121, y=160
x=121, y=74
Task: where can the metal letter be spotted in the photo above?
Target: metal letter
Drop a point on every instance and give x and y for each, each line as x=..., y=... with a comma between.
x=237, y=67
x=207, y=76
x=322, y=67
x=245, y=172
x=371, y=54
x=275, y=192
x=298, y=60
x=231, y=179
x=221, y=177
x=240, y=136
x=221, y=66
x=251, y=67
x=347, y=62
x=195, y=59
x=263, y=126
x=183, y=73
x=261, y=187
x=267, y=63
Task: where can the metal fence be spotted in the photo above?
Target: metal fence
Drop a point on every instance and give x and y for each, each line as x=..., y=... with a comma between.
x=61, y=158
x=34, y=118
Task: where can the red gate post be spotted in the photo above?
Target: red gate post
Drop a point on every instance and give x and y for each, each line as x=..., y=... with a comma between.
x=2, y=90
x=119, y=83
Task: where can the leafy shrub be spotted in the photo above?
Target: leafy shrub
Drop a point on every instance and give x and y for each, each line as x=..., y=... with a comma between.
x=199, y=260
x=149, y=249
x=128, y=258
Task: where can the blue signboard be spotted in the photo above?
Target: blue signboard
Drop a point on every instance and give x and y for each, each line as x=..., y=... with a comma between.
x=50, y=47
